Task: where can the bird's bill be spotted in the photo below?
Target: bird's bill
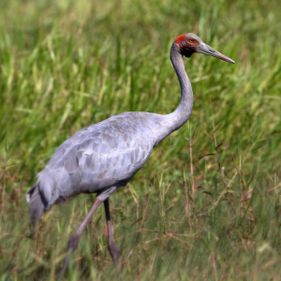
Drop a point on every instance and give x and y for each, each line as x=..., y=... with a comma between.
x=207, y=50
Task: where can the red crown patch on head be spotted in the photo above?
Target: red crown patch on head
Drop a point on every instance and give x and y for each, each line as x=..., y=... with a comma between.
x=180, y=38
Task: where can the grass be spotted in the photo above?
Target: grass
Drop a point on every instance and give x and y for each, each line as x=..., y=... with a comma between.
x=207, y=204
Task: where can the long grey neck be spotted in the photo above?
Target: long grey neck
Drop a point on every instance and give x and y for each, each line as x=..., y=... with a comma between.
x=177, y=118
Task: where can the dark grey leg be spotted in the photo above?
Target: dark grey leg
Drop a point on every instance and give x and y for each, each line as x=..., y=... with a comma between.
x=74, y=239
x=113, y=249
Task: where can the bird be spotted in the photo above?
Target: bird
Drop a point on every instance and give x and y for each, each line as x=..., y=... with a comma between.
x=103, y=157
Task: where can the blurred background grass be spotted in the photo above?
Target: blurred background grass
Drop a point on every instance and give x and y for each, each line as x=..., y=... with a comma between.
x=66, y=64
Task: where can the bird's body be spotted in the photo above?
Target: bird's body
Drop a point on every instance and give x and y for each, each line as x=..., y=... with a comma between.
x=104, y=156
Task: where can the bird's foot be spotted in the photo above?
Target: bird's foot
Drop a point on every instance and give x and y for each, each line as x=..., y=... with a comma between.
x=71, y=246
x=114, y=252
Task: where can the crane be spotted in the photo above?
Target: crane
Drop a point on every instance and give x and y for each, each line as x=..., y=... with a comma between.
x=105, y=156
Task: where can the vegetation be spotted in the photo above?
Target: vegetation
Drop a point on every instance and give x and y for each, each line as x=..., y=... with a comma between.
x=207, y=205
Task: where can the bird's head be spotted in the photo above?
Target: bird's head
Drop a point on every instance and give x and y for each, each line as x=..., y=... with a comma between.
x=189, y=43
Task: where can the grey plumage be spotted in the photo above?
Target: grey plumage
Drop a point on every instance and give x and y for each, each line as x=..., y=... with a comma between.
x=105, y=156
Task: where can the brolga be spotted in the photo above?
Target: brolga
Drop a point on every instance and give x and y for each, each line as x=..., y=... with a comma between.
x=103, y=157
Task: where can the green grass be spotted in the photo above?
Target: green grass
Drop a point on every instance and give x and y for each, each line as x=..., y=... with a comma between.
x=67, y=64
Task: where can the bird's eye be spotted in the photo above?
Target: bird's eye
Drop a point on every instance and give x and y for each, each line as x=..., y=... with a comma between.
x=192, y=41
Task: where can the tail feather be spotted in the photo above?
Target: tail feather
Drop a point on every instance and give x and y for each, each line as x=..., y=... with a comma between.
x=37, y=203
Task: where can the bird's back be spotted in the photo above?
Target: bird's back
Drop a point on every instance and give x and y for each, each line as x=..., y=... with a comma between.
x=99, y=156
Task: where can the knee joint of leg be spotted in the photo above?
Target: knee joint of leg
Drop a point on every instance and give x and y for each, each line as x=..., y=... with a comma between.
x=105, y=194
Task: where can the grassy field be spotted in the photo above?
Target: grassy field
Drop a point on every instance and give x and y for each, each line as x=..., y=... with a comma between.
x=207, y=205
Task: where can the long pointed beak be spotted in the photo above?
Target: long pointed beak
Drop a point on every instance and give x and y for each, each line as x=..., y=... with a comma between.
x=207, y=50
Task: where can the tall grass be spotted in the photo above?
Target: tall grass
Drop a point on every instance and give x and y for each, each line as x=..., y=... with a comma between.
x=207, y=204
